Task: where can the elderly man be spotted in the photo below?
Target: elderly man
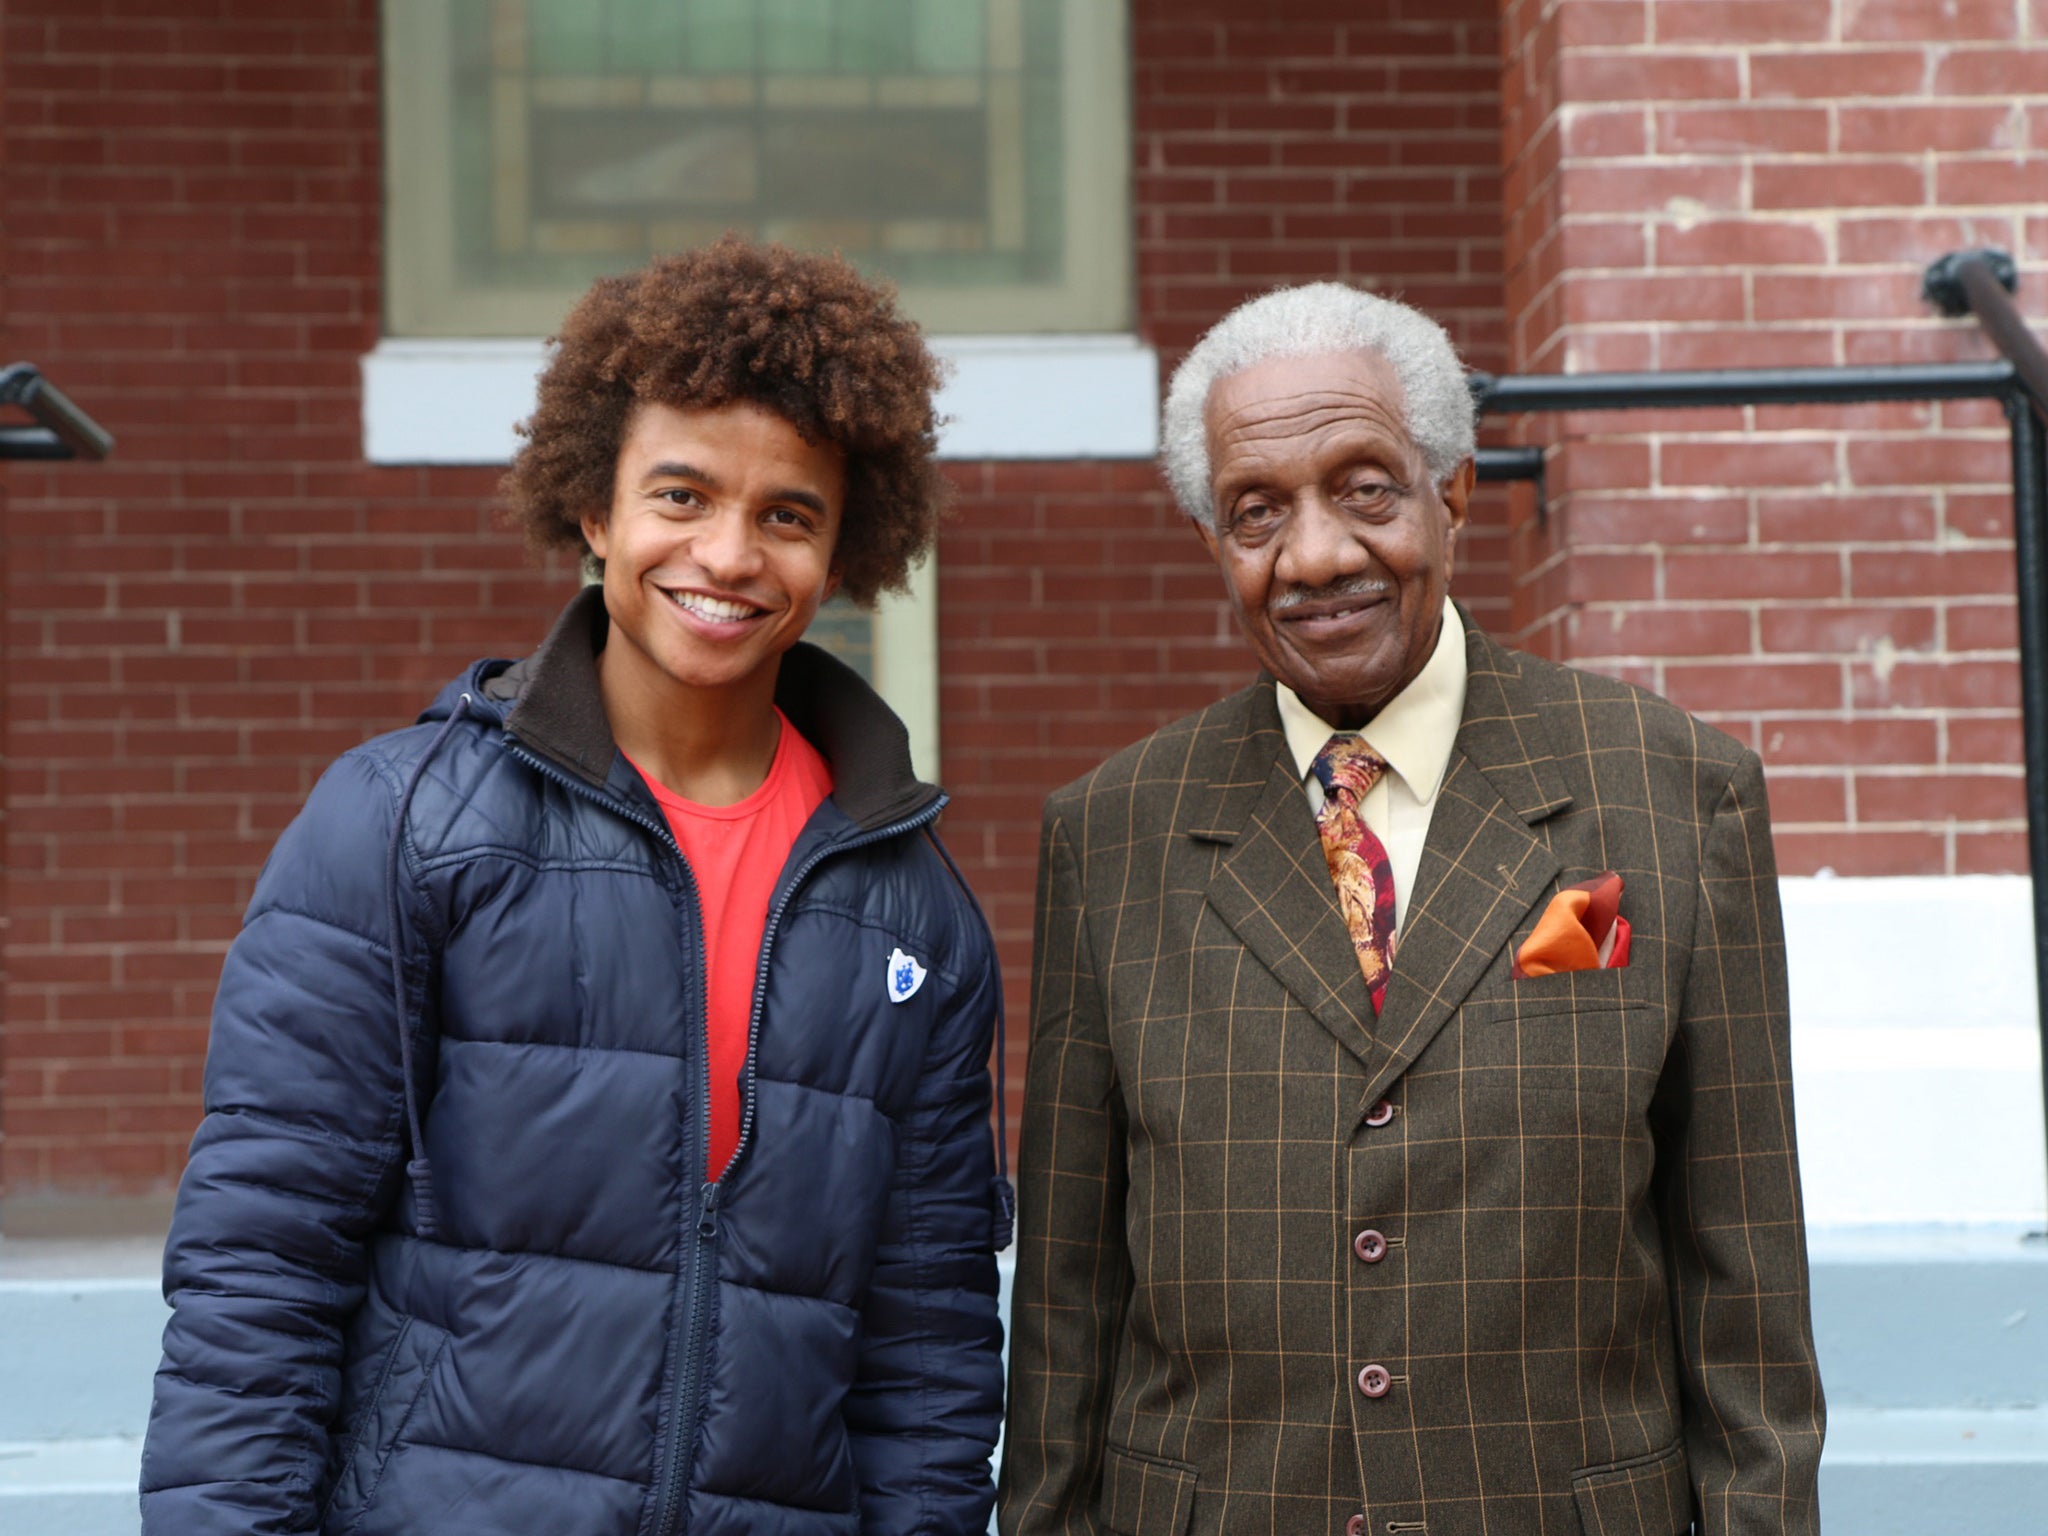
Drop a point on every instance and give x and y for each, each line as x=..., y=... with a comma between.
x=1408, y=1141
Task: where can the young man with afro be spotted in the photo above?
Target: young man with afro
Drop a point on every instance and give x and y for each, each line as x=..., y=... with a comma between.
x=597, y=1104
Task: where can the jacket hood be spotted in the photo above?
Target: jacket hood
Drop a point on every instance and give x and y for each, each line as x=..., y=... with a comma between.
x=551, y=703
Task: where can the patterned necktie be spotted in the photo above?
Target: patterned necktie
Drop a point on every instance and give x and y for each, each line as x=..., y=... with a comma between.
x=1347, y=768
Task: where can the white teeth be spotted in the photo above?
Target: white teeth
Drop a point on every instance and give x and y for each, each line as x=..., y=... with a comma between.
x=714, y=608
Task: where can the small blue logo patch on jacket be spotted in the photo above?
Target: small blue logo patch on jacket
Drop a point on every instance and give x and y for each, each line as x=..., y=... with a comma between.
x=905, y=976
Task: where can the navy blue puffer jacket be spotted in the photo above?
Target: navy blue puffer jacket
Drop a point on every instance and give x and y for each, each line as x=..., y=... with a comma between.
x=562, y=1328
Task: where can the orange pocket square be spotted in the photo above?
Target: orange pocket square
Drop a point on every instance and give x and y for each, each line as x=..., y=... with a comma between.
x=1581, y=930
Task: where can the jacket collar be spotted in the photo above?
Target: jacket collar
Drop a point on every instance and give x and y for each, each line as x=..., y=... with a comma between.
x=1500, y=732
x=1483, y=863
x=1241, y=747
x=1503, y=735
x=557, y=711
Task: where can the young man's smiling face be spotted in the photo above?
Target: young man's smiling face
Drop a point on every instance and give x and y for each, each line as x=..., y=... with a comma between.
x=717, y=550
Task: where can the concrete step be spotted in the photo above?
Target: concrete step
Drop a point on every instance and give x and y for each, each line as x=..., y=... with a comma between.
x=1933, y=1341
x=82, y=1487
x=1931, y=1317
x=1908, y=1472
x=1885, y=1473
x=1916, y=1318
x=81, y=1327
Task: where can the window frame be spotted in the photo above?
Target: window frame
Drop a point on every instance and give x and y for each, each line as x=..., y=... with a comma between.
x=422, y=298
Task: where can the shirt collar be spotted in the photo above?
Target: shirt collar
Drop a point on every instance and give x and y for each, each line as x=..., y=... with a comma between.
x=1414, y=730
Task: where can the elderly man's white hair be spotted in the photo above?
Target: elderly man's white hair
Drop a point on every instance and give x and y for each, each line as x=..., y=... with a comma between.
x=1307, y=321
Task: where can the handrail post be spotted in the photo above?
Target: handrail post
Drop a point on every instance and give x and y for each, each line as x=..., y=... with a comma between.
x=2030, y=551
x=1981, y=283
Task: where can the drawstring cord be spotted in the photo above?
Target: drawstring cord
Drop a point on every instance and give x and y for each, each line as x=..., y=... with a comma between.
x=417, y=1168
x=1004, y=1191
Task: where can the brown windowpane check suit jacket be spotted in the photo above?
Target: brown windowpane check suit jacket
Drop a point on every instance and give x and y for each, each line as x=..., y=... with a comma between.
x=1592, y=1298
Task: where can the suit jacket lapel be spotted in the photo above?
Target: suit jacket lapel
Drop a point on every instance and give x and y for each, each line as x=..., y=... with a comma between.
x=1273, y=887
x=1482, y=865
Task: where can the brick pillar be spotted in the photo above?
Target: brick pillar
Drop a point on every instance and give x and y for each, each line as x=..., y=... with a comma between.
x=5, y=906
x=1736, y=183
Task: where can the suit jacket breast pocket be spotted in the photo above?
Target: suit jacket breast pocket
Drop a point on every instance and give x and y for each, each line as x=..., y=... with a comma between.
x=1565, y=992
x=1145, y=1495
x=1568, y=1067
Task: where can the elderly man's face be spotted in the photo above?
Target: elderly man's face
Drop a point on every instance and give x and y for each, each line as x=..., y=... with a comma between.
x=1333, y=537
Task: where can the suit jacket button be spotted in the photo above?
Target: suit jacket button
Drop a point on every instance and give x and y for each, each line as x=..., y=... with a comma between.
x=1369, y=1246
x=1380, y=1113
x=1373, y=1381
x=1355, y=1526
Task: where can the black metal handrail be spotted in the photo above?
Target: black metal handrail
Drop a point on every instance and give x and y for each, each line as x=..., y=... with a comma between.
x=1742, y=386
x=62, y=430
x=1510, y=464
x=1962, y=282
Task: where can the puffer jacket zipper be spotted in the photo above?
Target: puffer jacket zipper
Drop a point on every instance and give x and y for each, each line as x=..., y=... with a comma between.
x=698, y=1246
x=679, y=1455
x=922, y=818
x=683, y=1455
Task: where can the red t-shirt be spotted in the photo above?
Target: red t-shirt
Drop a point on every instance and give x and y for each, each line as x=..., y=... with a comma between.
x=736, y=852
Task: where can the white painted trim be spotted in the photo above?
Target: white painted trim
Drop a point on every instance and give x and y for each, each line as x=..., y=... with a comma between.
x=447, y=402
x=906, y=662
x=1007, y=397
x=1048, y=397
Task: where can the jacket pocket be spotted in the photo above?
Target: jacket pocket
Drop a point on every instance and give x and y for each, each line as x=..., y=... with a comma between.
x=1565, y=992
x=408, y=1364
x=1642, y=1496
x=1145, y=1495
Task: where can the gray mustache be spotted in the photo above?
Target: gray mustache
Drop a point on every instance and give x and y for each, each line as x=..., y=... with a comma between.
x=1362, y=586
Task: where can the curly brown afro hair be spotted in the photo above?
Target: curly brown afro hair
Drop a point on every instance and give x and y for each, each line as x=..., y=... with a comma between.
x=805, y=336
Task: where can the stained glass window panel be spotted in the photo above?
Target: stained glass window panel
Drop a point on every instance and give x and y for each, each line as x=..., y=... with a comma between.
x=972, y=151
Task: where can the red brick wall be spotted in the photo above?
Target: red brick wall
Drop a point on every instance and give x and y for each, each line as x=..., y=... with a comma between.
x=1703, y=185
x=1290, y=142
x=195, y=629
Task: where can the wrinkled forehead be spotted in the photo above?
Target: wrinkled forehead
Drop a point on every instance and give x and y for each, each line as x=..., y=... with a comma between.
x=1283, y=401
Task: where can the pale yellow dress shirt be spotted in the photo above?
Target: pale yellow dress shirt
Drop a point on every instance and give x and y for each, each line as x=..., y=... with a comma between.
x=1414, y=731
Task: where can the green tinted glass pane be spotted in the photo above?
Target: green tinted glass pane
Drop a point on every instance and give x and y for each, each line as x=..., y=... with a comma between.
x=719, y=35
x=644, y=35
x=873, y=37
x=472, y=152
x=796, y=34
x=920, y=137
x=565, y=37
x=949, y=36
x=848, y=633
x=1042, y=33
